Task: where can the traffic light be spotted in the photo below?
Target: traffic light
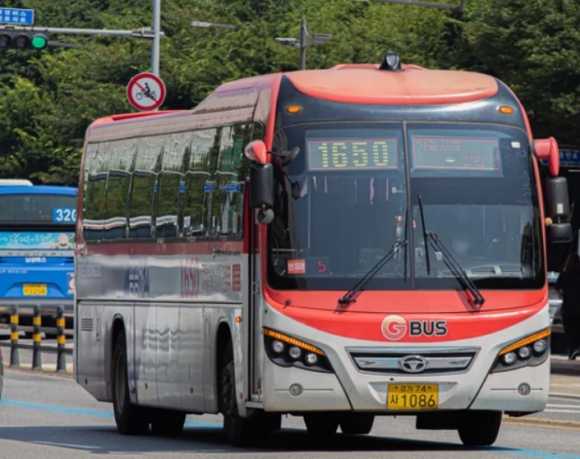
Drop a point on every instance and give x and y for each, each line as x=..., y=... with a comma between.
x=10, y=39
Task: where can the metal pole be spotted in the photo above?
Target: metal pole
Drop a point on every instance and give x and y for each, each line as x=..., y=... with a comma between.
x=137, y=33
x=14, y=358
x=303, y=44
x=156, y=37
x=36, y=339
x=60, y=341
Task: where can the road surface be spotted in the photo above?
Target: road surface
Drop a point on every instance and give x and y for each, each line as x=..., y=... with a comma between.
x=48, y=416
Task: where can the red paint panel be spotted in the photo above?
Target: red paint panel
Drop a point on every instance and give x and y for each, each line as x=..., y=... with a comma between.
x=166, y=249
x=417, y=87
x=408, y=317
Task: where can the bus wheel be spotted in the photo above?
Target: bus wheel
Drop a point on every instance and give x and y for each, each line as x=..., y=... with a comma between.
x=357, y=423
x=167, y=422
x=130, y=419
x=239, y=431
x=321, y=423
x=478, y=428
x=273, y=421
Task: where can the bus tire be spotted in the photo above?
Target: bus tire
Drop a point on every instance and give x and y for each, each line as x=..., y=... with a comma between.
x=273, y=421
x=239, y=431
x=167, y=422
x=478, y=428
x=321, y=423
x=357, y=423
x=130, y=419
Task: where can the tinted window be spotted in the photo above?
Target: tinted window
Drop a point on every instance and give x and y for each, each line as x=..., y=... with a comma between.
x=169, y=220
x=230, y=176
x=95, y=193
x=121, y=157
x=38, y=208
x=199, y=182
x=143, y=183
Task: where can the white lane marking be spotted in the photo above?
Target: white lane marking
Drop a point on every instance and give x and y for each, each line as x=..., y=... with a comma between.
x=66, y=445
x=563, y=411
x=563, y=406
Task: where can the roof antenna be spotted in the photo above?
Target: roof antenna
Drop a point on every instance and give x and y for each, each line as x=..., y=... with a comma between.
x=391, y=62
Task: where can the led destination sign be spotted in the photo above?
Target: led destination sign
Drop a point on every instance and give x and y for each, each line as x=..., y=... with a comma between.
x=352, y=154
x=455, y=153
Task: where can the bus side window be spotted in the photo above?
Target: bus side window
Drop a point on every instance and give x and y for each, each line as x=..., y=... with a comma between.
x=95, y=195
x=120, y=155
x=198, y=183
x=230, y=175
x=143, y=183
x=167, y=219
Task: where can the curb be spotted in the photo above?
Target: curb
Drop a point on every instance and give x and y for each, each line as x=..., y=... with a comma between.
x=44, y=372
x=568, y=396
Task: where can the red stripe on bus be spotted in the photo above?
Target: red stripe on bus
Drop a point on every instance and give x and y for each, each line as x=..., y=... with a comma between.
x=165, y=249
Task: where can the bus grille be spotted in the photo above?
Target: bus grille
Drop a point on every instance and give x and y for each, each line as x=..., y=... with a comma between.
x=406, y=361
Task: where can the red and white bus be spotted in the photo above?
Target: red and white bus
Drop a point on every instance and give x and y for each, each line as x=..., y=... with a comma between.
x=338, y=244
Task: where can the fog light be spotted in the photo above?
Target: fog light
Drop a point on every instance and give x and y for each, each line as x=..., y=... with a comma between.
x=509, y=358
x=295, y=352
x=524, y=389
x=278, y=346
x=311, y=358
x=540, y=346
x=524, y=352
x=295, y=390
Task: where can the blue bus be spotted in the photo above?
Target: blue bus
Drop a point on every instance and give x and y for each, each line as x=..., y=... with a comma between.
x=37, y=228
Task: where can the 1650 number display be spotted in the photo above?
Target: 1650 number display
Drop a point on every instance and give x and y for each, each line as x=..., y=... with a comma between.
x=352, y=154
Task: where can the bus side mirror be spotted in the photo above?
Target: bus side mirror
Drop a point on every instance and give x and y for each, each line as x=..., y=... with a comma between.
x=557, y=206
x=547, y=149
x=262, y=191
x=256, y=151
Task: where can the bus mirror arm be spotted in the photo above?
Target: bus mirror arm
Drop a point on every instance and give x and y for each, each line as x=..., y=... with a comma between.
x=262, y=191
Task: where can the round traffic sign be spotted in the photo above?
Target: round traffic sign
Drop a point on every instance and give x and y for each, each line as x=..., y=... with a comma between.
x=146, y=91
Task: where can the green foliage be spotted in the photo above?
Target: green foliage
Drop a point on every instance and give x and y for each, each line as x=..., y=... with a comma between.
x=50, y=97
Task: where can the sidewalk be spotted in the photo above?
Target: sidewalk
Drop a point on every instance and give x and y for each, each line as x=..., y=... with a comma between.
x=565, y=379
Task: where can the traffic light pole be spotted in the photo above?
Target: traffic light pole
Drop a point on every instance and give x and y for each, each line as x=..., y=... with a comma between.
x=137, y=33
x=155, y=51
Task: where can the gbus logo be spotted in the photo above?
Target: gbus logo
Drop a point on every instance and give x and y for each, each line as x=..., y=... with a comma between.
x=395, y=328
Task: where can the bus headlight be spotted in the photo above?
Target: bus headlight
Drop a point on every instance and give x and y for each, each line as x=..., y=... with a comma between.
x=278, y=347
x=533, y=350
x=510, y=358
x=287, y=351
x=540, y=346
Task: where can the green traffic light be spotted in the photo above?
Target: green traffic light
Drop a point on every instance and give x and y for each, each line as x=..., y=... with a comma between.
x=39, y=42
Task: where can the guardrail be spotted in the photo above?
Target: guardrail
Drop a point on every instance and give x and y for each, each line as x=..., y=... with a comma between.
x=36, y=346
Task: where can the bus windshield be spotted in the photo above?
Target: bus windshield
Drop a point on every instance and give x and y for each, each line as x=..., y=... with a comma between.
x=354, y=191
x=37, y=209
x=36, y=222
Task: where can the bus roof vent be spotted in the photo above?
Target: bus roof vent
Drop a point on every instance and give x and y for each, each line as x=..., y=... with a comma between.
x=391, y=62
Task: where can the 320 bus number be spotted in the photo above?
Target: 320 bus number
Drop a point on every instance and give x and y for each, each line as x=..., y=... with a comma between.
x=64, y=215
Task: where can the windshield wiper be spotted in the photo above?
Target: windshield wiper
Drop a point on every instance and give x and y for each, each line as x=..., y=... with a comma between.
x=349, y=296
x=448, y=259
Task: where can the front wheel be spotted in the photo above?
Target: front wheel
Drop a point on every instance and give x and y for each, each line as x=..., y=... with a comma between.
x=321, y=423
x=239, y=431
x=478, y=428
x=130, y=419
x=167, y=422
x=357, y=424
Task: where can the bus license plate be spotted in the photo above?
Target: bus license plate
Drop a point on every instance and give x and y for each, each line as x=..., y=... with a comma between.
x=34, y=290
x=413, y=396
